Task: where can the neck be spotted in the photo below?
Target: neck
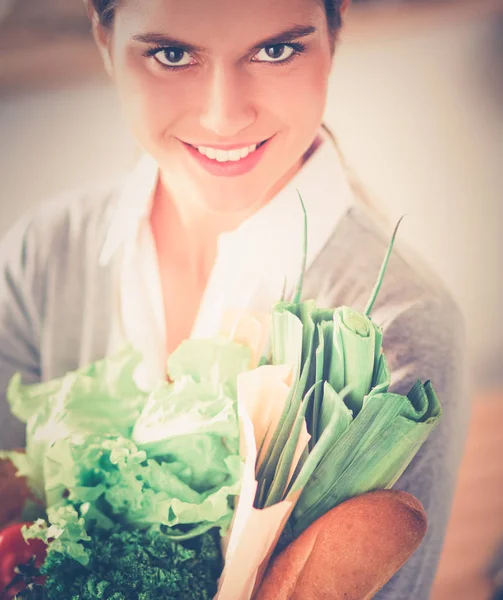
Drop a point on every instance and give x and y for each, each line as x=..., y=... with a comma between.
x=190, y=230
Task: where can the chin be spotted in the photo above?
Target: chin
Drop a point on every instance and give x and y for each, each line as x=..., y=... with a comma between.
x=229, y=204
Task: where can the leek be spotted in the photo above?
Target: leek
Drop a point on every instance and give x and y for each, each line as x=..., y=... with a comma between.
x=371, y=454
x=361, y=436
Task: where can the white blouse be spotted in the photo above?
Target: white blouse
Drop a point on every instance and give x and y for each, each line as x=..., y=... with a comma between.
x=252, y=265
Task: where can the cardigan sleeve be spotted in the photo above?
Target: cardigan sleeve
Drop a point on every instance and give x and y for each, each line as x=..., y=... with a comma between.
x=19, y=323
x=425, y=340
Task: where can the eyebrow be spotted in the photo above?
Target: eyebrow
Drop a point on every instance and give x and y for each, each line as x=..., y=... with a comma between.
x=160, y=39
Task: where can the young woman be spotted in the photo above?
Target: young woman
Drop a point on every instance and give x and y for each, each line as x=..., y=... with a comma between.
x=226, y=98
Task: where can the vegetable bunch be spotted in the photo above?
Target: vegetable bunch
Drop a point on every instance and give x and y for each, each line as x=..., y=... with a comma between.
x=136, y=565
x=135, y=495
x=325, y=429
x=361, y=436
x=151, y=495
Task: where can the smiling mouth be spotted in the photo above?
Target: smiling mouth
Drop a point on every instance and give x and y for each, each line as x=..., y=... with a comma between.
x=228, y=155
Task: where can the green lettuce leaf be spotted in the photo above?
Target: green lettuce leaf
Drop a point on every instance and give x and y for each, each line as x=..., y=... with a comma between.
x=66, y=533
x=118, y=483
x=98, y=445
x=102, y=398
x=216, y=361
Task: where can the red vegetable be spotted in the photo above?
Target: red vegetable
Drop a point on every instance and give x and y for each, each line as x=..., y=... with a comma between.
x=14, y=492
x=15, y=551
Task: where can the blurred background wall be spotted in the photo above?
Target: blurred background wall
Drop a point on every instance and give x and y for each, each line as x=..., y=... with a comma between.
x=416, y=101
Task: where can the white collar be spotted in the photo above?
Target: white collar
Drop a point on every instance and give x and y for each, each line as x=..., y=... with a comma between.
x=132, y=208
x=321, y=178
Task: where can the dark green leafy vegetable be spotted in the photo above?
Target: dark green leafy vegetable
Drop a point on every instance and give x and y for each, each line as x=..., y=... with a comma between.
x=134, y=565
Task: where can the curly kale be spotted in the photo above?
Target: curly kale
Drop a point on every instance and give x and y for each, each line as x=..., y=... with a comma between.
x=136, y=565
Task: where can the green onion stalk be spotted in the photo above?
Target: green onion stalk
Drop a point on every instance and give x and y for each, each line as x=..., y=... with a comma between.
x=362, y=437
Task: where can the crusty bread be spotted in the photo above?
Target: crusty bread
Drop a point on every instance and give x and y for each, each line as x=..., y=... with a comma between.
x=350, y=552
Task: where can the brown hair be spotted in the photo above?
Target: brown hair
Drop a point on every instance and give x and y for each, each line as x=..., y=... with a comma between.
x=105, y=11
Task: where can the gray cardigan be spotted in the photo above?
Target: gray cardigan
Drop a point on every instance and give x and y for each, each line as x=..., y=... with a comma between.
x=51, y=255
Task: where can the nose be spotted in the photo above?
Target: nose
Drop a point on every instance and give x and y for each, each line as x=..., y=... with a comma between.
x=227, y=108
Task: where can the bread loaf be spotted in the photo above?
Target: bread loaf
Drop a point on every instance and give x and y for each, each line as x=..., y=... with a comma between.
x=350, y=552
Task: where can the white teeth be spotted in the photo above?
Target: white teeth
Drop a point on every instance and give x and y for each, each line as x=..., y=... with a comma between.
x=226, y=155
x=235, y=155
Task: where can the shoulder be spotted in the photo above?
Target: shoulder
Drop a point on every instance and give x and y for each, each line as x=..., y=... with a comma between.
x=423, y=326
x=46, y=253
x=75, y=215
x=350, y=262
x=62, y=225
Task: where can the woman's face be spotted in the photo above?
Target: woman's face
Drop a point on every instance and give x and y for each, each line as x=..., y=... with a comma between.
x=219, y=75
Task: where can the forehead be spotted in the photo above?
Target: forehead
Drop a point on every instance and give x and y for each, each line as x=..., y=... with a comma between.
x=222, y=20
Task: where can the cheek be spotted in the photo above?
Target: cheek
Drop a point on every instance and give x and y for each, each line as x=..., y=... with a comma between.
x=314, y=87
x=300, y=97
x=150, y=102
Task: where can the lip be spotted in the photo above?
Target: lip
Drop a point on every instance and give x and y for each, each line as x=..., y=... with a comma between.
x=229, y=168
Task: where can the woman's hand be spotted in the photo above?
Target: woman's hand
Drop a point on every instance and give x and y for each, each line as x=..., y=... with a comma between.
x=350, y=552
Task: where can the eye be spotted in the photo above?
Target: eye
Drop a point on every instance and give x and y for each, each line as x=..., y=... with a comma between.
x=278, y=51
x=172, y=57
